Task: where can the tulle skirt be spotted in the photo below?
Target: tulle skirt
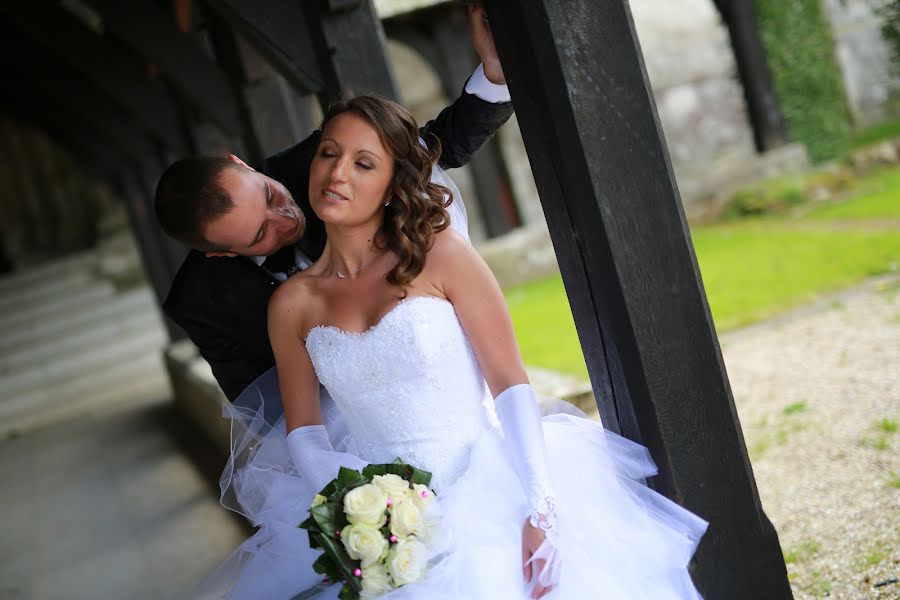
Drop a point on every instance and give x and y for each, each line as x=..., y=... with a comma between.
x=617, y=538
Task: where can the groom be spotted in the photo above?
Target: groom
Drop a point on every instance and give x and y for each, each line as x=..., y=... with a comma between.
x=251, y=229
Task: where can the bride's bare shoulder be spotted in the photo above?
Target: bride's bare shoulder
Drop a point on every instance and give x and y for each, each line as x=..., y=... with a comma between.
x=295, y=300
x=448, y=243
x=451, y=249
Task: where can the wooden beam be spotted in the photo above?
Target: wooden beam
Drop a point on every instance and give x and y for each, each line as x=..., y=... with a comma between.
x=30, y=65
x=226, y=46
x=105, y=65
x=763, y=107
x=334, y=50
x=151, y=33
x=596, y=148
x=278, y=30
x=349, y=44
x=86, y=149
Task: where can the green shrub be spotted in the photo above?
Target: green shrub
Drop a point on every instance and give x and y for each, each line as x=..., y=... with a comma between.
x=800, y=50
x=890, y=12
x=758, y=201
x=778, y=195
x=879, y=132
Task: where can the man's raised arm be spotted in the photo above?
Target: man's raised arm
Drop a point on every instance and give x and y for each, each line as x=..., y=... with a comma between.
x=465, y=126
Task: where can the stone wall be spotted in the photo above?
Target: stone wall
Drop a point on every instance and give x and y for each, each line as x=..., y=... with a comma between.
x=389, y=8
x=692, y=70
x=693, y=75
x=49, y=204
x=864, y=58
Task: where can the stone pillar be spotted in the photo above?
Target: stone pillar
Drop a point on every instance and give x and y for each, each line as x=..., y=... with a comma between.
x=871, y=81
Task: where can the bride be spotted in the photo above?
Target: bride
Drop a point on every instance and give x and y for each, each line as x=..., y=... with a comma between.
x=405, y=326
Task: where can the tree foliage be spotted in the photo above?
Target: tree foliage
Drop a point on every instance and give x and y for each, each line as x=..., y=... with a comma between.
x=890, y=29
x=801, y=54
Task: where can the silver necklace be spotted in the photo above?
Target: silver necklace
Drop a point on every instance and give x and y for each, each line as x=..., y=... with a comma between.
x=342, y=275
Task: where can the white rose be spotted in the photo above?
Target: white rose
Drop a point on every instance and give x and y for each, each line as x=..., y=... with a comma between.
x=363, y=543
x=422, y=496
x=431, y=527
x=406, y=519
x=366, y=505
x=375, y=581
x=407, y=560
x=394, y=486
x=318, y=500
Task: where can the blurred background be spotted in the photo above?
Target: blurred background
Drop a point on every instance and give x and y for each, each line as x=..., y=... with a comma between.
x=789, y=174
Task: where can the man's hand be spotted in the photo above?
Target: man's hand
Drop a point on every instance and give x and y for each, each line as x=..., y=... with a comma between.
x=483, y=42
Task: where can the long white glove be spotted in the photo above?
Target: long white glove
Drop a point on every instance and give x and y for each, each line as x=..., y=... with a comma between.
x=518, y=413
x=314, y=457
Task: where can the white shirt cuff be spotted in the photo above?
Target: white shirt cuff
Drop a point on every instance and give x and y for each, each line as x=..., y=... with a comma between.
x=480, y=86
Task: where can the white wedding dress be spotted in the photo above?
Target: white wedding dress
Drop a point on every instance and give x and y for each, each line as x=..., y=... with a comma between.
x=410, y=387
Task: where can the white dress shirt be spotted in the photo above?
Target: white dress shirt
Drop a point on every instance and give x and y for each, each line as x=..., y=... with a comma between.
x=479, y=85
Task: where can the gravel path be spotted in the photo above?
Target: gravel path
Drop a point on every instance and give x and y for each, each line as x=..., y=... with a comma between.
x=818, y=394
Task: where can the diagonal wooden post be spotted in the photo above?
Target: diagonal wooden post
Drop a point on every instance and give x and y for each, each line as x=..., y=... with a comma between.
x=595, y=145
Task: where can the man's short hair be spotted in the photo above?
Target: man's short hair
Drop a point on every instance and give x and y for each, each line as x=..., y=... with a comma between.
x=189, y=197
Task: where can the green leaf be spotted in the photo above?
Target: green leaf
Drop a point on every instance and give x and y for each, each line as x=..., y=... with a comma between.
x=312, y=528
x=401, y=469
x=342, y=560
x=341, y=491
x=346, y=479
x=324, y=565
x=313, y=540
x=348, y=593
x=371, y=471
x=329, y=489
x=324, y=516
x=309, y=524
x=421, y=477
x=347, y=476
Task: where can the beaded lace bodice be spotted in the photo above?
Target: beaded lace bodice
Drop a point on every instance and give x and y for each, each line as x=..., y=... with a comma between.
x=409, y=387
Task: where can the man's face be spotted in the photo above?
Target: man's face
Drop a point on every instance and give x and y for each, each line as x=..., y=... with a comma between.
x=264, y=218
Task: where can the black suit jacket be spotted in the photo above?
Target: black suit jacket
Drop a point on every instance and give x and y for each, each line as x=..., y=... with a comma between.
x=222, y=302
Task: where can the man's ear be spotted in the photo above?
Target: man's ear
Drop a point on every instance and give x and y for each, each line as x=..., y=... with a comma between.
x=238, y=161
x=228, y=254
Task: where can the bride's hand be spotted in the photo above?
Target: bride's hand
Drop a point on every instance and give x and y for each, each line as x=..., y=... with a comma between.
x=532, y=538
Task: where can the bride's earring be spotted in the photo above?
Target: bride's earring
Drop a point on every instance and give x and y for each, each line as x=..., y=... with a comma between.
x=388, y=202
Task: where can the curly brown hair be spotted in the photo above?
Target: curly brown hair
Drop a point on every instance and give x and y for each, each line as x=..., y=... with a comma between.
x=418, y=208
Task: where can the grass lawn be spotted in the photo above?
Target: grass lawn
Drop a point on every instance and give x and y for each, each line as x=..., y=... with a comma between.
x=875, y=133
x=751, y=269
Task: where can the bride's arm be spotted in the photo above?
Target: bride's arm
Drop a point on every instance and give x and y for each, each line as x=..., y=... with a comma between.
x=307, y=440
x=296, y=375
x=468, y=283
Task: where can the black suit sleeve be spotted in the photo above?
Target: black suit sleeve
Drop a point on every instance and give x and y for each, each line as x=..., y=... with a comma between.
x=464, y=127
x=219, y=332
x=231, y=366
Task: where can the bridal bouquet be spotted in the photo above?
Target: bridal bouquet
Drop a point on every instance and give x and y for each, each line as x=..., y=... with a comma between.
x=373, y=528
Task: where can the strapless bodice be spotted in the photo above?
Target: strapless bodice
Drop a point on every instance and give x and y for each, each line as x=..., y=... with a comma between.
x=410, y=386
